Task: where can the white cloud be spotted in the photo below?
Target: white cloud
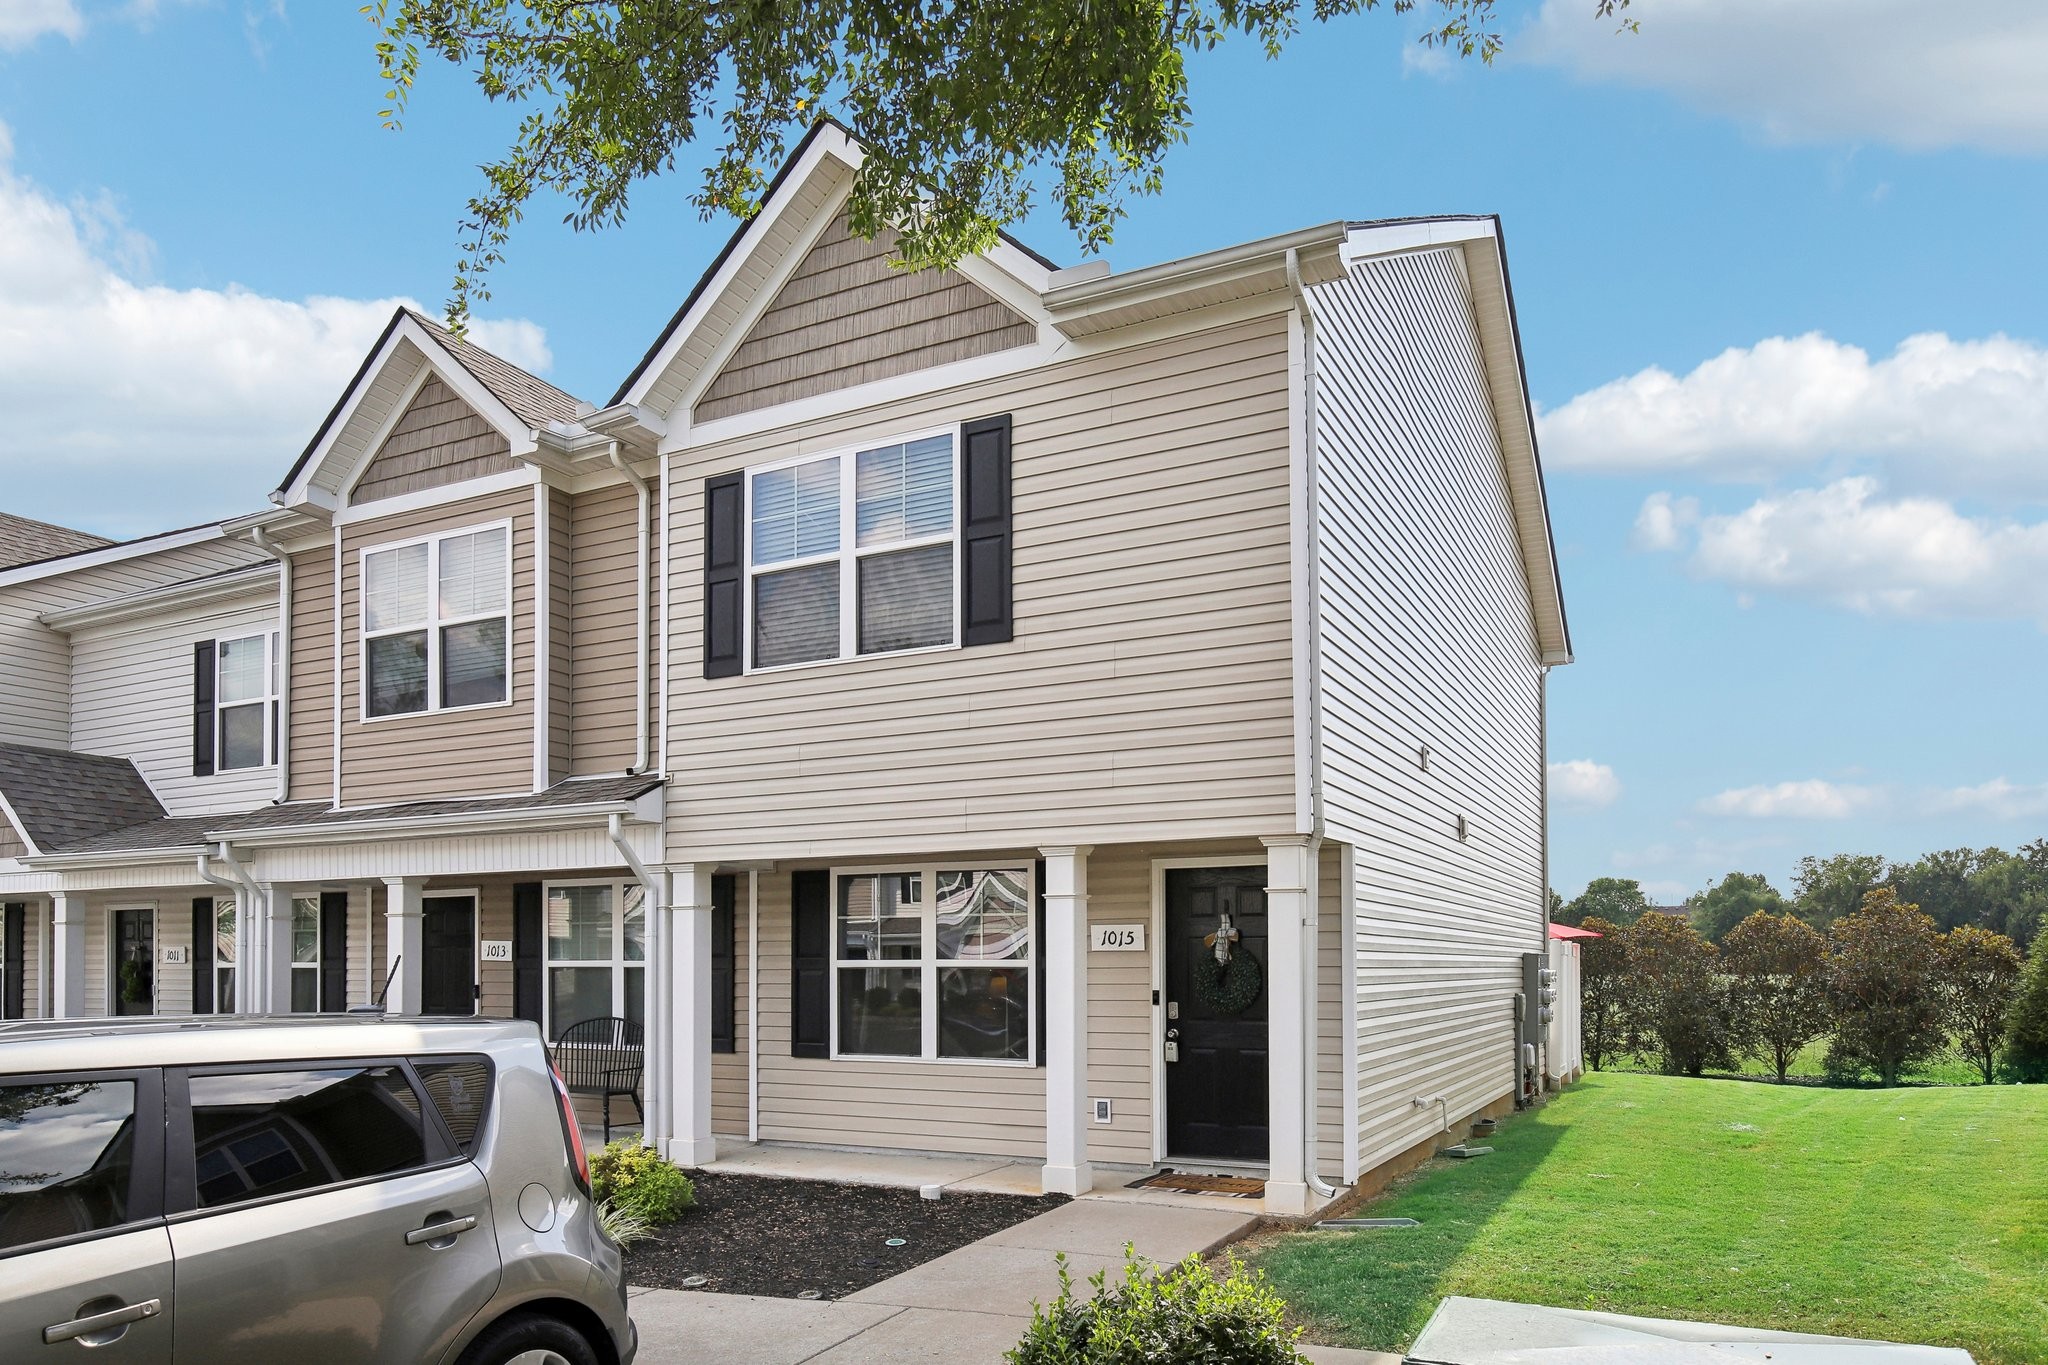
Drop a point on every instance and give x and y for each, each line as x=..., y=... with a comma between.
x=1998, y=798
x=1663, y=521
x=1846, y=545
x=1812, y=799
x=24, y=21
x=1937, y=412
x=132, y=406
x=1582, y=782
x=1904, y=72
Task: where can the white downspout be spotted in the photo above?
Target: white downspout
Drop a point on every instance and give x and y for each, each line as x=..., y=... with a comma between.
x=646, y=494
x=753, y=1005
x=1311, y=1088
x=657, y=1129
x=251, y=927
x=282, y=665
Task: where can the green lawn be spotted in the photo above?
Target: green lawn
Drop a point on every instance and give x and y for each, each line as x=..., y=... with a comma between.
x=1915, y=1215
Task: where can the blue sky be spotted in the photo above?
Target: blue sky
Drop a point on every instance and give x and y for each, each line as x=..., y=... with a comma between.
x=1806, y=566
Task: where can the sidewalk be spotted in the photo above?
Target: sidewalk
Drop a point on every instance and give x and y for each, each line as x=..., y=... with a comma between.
x=966, y=1307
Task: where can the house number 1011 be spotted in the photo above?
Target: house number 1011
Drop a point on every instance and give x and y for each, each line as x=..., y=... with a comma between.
x=1118, y=938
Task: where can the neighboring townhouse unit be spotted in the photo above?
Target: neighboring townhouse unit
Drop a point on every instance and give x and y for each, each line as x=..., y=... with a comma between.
x=1083, y=718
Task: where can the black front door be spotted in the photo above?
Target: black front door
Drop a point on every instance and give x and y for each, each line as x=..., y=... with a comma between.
x=1215, y=1020
x=134, y=985
x=448, y=934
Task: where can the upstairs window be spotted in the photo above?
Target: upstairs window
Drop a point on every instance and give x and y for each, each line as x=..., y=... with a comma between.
x=436, y=623
x=853, y=553
x=245, y=702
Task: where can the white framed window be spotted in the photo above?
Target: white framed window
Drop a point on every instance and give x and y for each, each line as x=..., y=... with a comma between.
x=854, y=552
x=224, y=955
x=935, y=963
x=596, y=952
x=244, y=702
x=305, y=954
x=437, y=622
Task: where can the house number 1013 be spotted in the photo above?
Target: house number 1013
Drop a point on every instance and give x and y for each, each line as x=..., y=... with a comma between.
x=1118, y=938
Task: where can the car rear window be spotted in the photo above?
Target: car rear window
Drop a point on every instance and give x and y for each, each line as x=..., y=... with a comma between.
x=460, y=1088
x=262, y=1133
x=66, y=1152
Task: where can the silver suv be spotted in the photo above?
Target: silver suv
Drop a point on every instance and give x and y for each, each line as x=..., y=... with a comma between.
x=299, y=1191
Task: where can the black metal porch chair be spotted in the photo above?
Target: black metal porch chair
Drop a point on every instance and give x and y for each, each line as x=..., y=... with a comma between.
x=603, y=1056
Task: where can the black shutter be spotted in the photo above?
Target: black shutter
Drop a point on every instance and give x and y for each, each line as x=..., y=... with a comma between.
x=725, y=575
x=527, y=932
x=724, y=898
x=1041, y=966
x=15, y=949
x=985, y=617
x=334, y=952
x=202, y=954
x=202, y=709
x=810, y=968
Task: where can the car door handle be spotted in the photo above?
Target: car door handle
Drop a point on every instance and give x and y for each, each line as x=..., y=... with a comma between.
x=434, y=1232
x=100, y=1322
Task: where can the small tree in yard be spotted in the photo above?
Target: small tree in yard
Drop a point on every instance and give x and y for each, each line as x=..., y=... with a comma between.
x=1777, y=985
x=1981, y=971
x=1677, y=1003
x=1603, y=981
x=1885, y=982
x=2026, y=1031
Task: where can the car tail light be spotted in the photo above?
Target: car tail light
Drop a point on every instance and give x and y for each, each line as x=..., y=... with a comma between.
x=572, y=1133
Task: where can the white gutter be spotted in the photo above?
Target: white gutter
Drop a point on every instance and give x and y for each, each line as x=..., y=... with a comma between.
x=658, y=1008
x=281, y=666
x=150, y=601
x=252, y=930
x=646, y=495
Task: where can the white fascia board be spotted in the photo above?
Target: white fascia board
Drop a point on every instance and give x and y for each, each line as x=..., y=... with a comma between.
x=432, y=826
x=1388, y=239
x=60, y=862
x=257, y=579
x=523, y=477
x=830, y=142
x=1079, y=308
x=111, y=554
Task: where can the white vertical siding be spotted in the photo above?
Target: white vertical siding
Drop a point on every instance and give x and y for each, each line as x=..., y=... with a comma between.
x=1426, y=639
x=131, y=696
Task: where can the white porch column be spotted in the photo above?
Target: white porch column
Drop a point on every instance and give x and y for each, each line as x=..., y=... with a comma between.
x=1290, y=900
x=67, y=956
x=687, y=1045
x=404, y=944
x=1065, y=960
x=274, y=909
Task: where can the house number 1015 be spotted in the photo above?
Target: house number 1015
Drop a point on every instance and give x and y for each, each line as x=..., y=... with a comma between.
x=1118, y=938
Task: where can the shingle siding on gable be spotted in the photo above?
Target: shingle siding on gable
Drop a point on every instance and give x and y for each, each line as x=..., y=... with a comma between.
x=440, y=440
x=10, y=842
x=846, y=317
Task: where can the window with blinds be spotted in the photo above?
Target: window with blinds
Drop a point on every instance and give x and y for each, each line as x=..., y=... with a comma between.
x=436, y=623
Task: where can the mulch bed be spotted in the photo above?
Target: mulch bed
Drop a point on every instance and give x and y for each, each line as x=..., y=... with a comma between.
x=757, y=1235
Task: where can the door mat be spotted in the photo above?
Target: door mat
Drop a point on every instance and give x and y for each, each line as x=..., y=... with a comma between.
x=1188, y=1182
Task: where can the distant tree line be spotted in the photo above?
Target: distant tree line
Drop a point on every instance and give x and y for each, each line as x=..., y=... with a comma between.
x=1883, y=983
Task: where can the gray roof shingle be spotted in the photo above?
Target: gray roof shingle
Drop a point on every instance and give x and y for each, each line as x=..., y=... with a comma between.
x=24, y=540
x=533, y=399
x=183, y=833
x=63, y=798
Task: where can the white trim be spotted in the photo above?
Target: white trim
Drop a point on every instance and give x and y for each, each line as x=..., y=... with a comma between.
x=848, y=552
x=439, y=496
x=1391, y=239
x=1110, y=302
x=292, y=965
x=1347, y=997
x=110, y=554
x=543, y=645
x=434, y=623
x=149, y=601
x=269, y=701
x=928, y=962
x=1305, y=617
x=374, y=446
x=753, y=1004
x=335, y=799
x=1160, y=867
x=661, y=571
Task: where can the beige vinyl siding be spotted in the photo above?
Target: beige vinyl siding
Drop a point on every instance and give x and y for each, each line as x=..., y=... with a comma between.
x=561, y=635
x=132, y=693
x=438, y=441
x=1426, y=639
x=481, y=751
x=35, y=706
x=602, y=619
x=311, y=647
x=1148, y=691
x=11, y=845
x=845, y=316
x=910, y=1105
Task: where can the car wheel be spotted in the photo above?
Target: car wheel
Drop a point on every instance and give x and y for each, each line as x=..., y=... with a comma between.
x=529, y=1339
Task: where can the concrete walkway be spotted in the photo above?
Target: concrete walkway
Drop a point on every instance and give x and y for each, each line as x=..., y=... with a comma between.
x=964, y=1308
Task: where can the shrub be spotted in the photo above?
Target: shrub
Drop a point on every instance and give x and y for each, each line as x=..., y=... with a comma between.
x=2026, y=1028
x=1777, y=986
x=639, y=1182
x=1885, y=983
x=1603, y=977
x=621, y=1225
x=1981, y=973
x=1677, y=1000
x=1185, y=1316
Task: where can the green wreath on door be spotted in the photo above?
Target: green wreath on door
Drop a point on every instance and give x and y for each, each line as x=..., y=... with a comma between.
x=1228, y=988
